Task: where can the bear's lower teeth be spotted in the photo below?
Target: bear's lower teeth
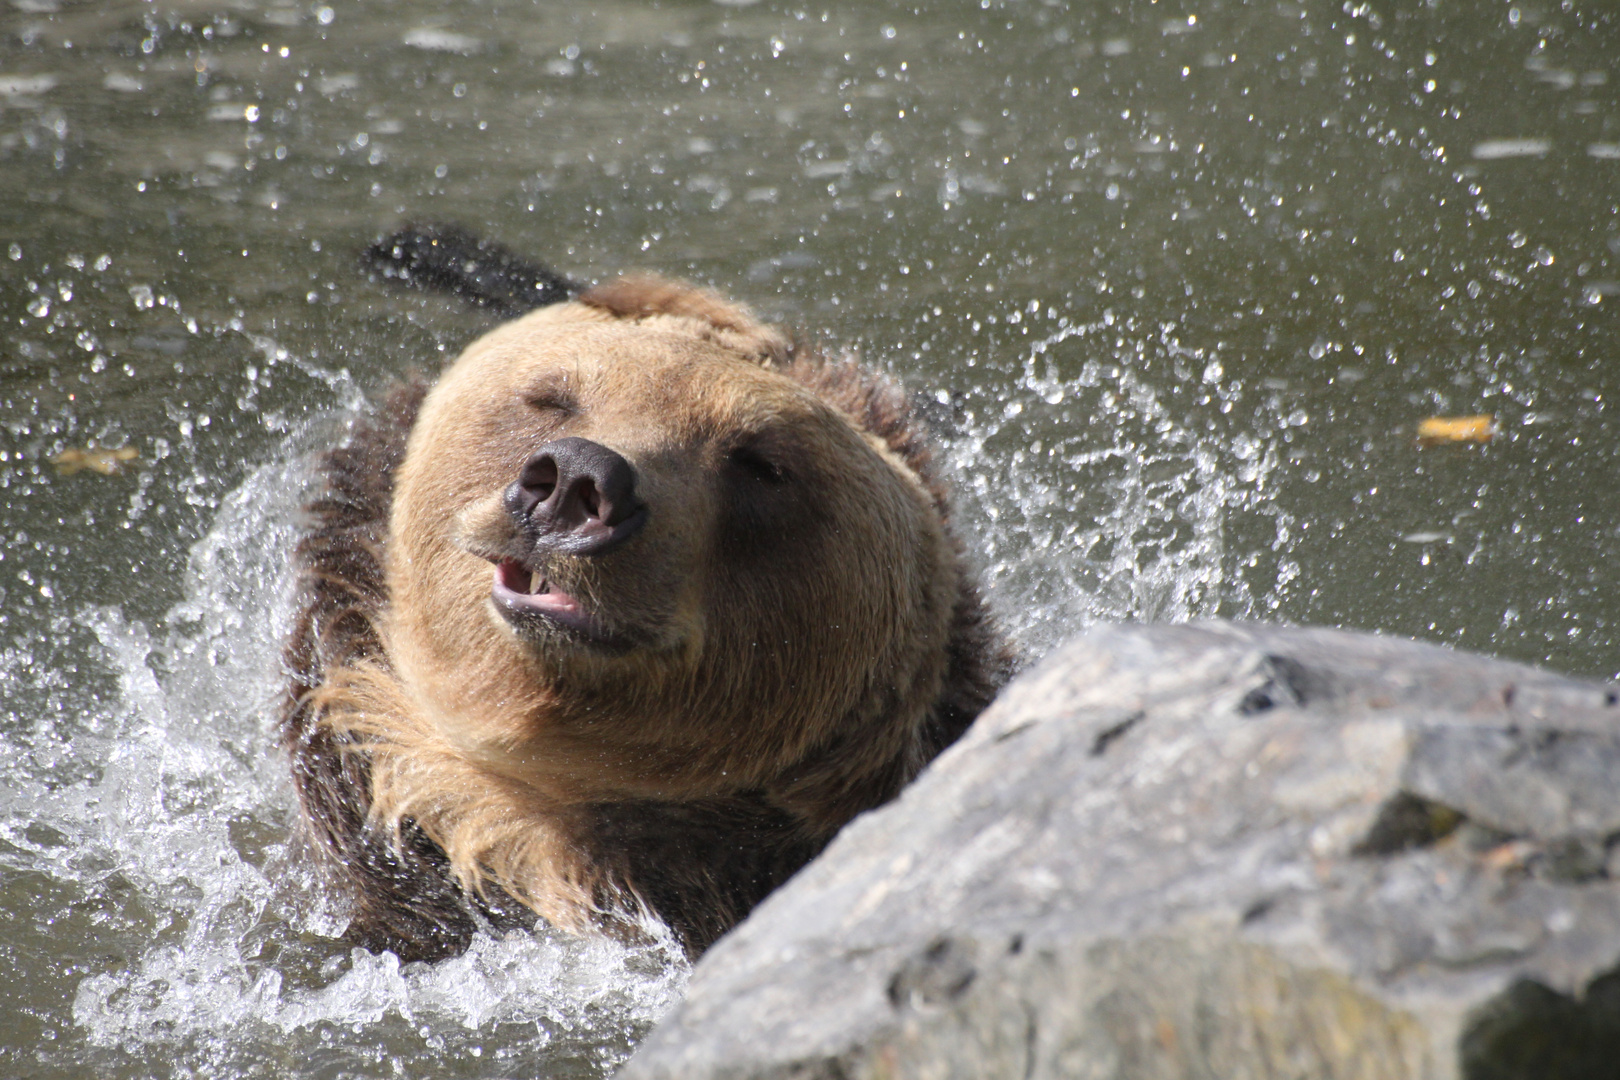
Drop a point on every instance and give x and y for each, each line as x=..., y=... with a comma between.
x=537, y=584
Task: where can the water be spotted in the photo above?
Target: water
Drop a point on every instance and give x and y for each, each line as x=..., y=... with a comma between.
x=1178, y=279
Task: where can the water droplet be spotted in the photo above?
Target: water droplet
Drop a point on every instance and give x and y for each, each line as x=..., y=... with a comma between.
x=1517, y=239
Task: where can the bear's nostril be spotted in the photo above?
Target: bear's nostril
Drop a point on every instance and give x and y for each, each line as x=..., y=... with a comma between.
x=578, y=497
x=539, y=477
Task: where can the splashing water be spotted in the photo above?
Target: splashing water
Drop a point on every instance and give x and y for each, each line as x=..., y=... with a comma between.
x=1093, y=497
x=173, y=847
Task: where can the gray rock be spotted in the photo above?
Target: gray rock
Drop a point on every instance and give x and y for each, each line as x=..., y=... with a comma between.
x=1208, y=851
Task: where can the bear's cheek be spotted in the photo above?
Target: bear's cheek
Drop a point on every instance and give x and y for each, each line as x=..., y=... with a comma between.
x=440, y=614
x=652, y=588
x=781, y=590
x=838, y=587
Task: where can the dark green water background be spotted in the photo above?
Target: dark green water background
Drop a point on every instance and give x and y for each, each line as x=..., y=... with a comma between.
x=1179, y=278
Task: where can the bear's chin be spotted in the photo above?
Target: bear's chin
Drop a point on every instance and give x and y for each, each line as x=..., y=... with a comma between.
x=547, y=618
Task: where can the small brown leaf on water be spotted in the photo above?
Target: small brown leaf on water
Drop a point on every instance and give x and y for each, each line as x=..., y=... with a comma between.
x=105, y=460
x=1435, y=430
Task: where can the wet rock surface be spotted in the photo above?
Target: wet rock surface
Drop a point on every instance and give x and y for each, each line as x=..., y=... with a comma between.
x=1207, y=851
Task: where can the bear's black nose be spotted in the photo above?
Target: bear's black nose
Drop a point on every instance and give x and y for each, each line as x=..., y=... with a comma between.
x=577, y=497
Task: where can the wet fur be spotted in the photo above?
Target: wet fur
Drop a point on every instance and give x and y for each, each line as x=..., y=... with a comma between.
x=368, y=784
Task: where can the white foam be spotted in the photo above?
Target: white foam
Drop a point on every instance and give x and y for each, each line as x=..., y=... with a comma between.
x=189, y=994
x=191, y=809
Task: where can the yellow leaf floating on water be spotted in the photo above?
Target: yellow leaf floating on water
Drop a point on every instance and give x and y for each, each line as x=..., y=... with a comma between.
x=102, y=459
x=1434, y=430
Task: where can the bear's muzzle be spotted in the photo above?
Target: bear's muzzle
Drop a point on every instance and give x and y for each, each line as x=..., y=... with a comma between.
x=576, y=497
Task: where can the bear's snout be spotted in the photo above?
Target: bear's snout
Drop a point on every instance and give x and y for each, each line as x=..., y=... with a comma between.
x=576, y=497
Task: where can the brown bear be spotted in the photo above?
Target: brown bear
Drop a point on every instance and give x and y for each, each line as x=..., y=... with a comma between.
x=622, y=619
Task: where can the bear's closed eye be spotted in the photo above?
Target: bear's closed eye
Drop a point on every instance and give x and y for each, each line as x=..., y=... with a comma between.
x=753, y=463
x=553, y=401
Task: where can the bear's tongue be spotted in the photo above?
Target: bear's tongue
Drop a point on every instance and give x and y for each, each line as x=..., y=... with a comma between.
x=530, y=589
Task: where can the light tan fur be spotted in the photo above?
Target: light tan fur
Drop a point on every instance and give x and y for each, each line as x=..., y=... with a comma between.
x=799, y=668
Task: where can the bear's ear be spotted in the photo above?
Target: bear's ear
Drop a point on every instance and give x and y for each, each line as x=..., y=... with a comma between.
x=647, y=296
x=451, y=259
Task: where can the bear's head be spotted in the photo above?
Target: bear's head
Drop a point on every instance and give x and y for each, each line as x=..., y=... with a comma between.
x=631, y=557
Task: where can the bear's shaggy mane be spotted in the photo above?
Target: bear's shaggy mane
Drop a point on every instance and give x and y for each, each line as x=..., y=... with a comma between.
x=698, y=865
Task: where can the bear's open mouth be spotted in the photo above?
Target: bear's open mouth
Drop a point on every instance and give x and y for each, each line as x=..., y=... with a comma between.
x=522, y=594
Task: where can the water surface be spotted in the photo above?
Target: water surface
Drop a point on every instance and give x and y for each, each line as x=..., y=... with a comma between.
x=1179, y=281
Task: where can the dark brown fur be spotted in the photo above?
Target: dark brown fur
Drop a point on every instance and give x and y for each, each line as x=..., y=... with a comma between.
x=700, y=866
x=401, y=897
